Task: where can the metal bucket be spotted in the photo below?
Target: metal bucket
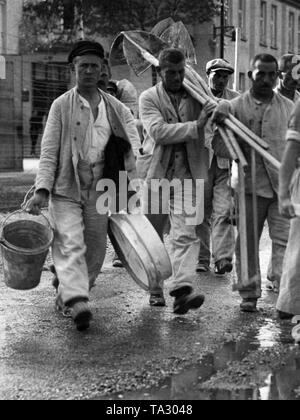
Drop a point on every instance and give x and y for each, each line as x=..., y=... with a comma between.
x=25, y=243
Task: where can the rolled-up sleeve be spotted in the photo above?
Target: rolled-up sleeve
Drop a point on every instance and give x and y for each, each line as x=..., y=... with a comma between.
x=160, y=131
x=50, y=150
x=293, y=132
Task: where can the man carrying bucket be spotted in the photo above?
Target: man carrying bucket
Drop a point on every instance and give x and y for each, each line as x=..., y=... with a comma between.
x=80, y=126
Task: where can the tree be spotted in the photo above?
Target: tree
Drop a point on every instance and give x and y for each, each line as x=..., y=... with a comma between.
x=47, y=23
x=108, y=17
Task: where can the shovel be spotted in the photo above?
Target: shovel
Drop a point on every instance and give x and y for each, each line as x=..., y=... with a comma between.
x=176, y=35
x=138, y=49
x=141, y=51
x=162, y=26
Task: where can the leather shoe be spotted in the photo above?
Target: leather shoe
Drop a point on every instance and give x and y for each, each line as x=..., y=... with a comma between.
x=81, y=315
x=187, y=300
x=157, y=300
x=202, y=268
x=284, y=315
x=249, y=305
x=223, y=266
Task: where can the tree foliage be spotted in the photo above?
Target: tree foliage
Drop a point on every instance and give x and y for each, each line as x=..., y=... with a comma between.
x=47, y=23
x=108, y=17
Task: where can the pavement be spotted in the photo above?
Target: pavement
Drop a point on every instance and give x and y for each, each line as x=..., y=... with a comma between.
x=135, y=352
x=14, y=185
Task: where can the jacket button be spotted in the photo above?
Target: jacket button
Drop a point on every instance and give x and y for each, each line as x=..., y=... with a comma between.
x=75, y=138
x=78, y=123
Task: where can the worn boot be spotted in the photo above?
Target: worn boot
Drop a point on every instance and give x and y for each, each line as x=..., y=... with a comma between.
x=249, y=305
x=186, y=299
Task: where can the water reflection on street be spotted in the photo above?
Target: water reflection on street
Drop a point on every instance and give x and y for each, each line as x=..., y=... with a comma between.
x=283, y=384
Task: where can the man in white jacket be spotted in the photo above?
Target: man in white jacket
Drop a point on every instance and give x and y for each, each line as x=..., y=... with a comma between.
x=175, y=122
x=81, y=125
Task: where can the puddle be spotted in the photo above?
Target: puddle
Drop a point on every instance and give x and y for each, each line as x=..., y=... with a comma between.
x=284, y=384
x=270, y=334
x=2, y=332
x=281, y=385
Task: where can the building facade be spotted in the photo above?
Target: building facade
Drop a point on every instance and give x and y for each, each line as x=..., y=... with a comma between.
x=34, y=80
x=10, y=16
x=266, y=26
x=11, y=146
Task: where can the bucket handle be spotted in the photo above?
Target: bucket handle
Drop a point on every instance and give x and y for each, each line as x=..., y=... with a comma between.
x=22, y=210
x=3, y=222
x=23, y=205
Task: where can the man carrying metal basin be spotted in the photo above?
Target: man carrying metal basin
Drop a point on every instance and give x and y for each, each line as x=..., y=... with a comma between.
x=175, y=122
x=81, y=125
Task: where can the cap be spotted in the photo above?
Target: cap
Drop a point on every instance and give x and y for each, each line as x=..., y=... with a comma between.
x=219, y=64
x=84, y=48
x=287, y=62
x=112, y=86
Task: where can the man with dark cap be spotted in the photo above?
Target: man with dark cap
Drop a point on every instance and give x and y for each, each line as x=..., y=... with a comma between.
x=289, y=77
x=112, y=88
x=217, y=227
x=80, y=126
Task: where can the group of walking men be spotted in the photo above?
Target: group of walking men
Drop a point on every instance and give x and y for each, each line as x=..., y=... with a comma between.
x=182, y=143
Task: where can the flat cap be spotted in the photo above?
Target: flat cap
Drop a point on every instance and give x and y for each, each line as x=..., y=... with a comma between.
x=219, y=64
x=112, y=86
x=287, y=62
x=84, y=48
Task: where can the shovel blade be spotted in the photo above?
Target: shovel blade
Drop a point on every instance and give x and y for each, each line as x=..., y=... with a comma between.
x=116, y=56
x=129, y=49
x=177, y=36
x=162, y=26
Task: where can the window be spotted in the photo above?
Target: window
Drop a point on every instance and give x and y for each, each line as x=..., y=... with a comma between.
x=68, y=14
x=263, y=23
x=242, y=82
x=291, y=32
x=2, y=27
x=242, y=17
x=49, y=80
x=299, y=35
x=228, y=13
x=274, y=27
